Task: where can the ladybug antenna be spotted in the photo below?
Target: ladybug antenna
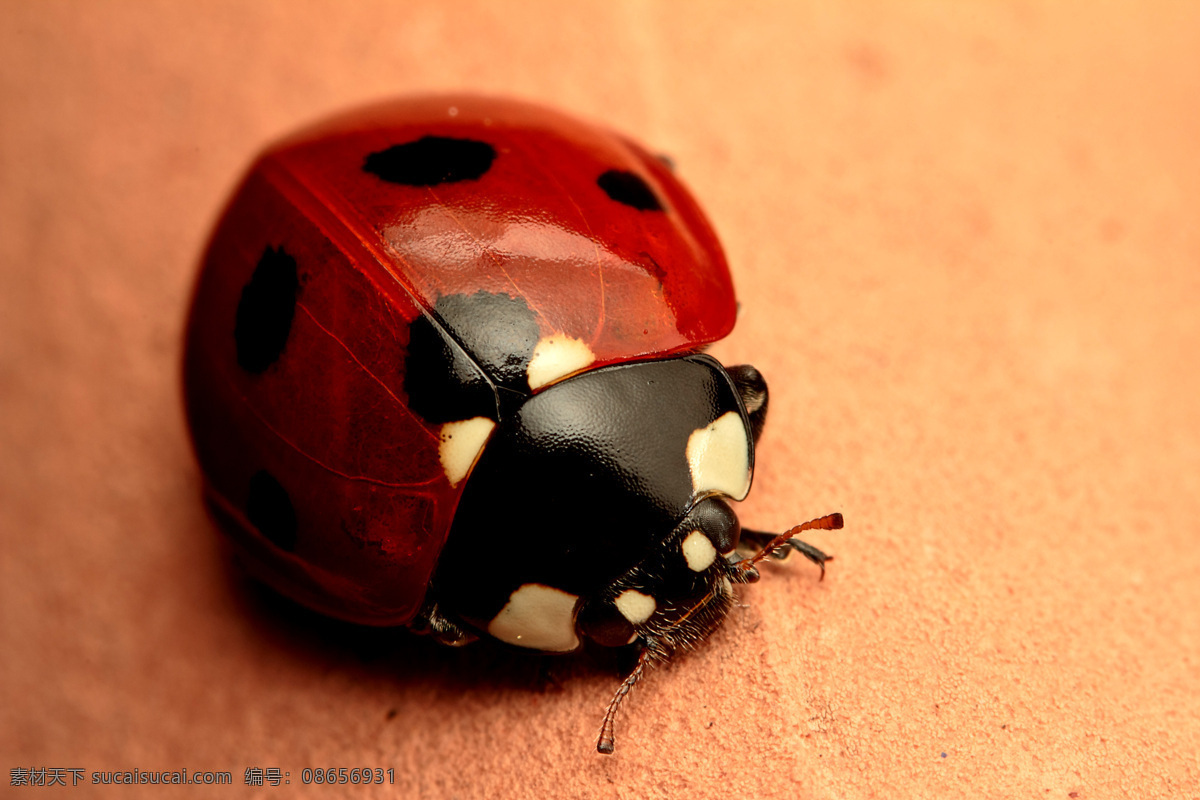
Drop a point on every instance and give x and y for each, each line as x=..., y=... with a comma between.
x=780, y=544
x=606, y=743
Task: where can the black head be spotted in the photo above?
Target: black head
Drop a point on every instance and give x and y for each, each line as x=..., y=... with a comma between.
x=677, y=595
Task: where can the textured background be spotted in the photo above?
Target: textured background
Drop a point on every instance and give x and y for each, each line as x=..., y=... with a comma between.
x=966, y=242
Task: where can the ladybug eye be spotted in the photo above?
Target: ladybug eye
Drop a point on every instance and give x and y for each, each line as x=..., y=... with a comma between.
x=717, y=521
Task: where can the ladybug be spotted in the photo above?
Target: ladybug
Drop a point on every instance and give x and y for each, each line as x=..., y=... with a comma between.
x=445, y=369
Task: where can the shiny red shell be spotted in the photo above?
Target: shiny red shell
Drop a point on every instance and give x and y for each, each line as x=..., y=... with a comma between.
x=329, y=419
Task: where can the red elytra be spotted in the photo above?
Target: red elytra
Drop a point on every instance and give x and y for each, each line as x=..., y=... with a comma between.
x=329, y=418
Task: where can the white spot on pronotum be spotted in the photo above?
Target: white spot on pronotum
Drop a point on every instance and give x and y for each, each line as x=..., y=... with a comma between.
x=635, y=606
x=698, y=551
x=719, y=457
x=555, y=357
x=461, y=443
x=538, y=617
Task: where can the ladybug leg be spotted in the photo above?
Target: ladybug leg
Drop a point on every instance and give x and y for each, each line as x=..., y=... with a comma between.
x=445, y=631
x=779, y=546
x=761, y=539
x=606, y=742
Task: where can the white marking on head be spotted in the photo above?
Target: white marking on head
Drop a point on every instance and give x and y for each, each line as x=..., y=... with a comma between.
x=635, y=606
x=461, y=443
x=557, y=356
x=538, y=617
x=698, y=551
x=719, y=457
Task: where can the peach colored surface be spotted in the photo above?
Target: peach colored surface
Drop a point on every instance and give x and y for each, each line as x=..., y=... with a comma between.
x=966, y=238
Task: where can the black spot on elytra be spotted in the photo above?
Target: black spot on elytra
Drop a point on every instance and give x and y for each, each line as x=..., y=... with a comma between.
x=442, y=382
x=483, y=344
x=265, y=311
x=498, y=330
x=630, y=189
x=269, y=509
x=431, y=160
